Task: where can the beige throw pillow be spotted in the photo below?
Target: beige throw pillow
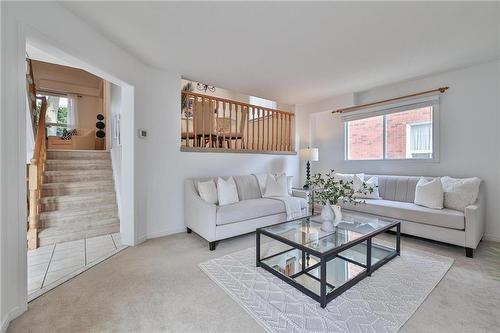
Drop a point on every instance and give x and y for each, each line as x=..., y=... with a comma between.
x=460, y=192
x=208, y=191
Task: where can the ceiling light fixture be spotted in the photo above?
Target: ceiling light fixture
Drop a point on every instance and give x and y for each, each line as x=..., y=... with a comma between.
x=204, y=87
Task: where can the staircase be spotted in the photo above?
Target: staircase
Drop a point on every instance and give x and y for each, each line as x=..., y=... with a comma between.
x=78, y=198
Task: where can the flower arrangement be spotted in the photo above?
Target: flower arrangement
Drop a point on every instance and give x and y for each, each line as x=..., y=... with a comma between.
x=330, y=190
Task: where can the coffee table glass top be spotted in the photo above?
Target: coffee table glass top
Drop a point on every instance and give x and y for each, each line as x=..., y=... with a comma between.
x=307, y=231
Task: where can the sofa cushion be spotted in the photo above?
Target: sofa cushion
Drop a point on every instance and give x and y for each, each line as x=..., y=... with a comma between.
x=251, y=209
x=248, y=188
x=399, y=188
x=408, y=211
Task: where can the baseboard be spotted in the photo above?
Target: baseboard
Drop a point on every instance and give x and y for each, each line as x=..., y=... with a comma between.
x=13, y=314
x=491, y=237
x=166, y=232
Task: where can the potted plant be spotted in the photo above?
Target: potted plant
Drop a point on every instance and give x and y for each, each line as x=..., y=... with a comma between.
x=329, y=192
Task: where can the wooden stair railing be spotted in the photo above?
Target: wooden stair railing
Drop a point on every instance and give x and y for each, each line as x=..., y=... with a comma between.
x=35, y=177
x=216, y=124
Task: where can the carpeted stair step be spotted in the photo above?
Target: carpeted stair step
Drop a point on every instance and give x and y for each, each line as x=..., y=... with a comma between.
x=57, y=235
x=66, y=176
x=78, y=219
x=77, y=155
x=55, y=165
x=77, y=202
x=69, y=215
x=99, y=186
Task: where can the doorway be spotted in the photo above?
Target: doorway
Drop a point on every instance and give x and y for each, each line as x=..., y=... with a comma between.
x=79, y=219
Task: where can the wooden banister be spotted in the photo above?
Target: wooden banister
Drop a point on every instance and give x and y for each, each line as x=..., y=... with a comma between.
x=35, y=177
x=219, y=124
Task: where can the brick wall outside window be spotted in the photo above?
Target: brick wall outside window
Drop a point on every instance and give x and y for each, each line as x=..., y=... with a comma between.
x=365, y=136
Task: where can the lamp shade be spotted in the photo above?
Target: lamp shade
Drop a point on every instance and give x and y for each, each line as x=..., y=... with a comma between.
x=309, y=154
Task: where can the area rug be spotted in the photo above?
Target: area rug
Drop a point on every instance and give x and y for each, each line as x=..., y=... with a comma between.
x=380, y=303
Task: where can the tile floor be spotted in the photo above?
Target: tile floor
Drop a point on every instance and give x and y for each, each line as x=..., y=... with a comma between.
x=51, y=265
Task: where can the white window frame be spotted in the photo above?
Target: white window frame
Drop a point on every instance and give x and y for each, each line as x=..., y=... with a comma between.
x=406, y=105
x=409, y=152
x=262, y=102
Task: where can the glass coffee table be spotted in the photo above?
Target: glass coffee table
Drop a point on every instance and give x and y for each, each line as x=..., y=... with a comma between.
x=323, y=264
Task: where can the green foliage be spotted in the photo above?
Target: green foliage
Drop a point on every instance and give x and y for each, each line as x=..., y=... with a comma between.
x=333, y=191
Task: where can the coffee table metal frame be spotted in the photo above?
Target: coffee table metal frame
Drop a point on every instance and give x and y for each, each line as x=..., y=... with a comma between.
x=324, y=298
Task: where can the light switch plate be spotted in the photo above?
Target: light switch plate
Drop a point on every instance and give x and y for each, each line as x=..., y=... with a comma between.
x=142, y=133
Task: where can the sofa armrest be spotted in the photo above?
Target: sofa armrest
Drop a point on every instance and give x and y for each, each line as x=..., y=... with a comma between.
x=199, y=215
x=474, y=222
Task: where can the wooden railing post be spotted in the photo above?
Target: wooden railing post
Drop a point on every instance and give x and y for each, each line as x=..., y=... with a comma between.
x=34, y=206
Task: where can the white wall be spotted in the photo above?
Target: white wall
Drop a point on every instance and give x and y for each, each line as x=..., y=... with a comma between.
x=116, y=147
x=154, y=182
x=469, y=132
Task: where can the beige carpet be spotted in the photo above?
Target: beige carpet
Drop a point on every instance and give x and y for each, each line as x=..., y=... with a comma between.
x=158, y=287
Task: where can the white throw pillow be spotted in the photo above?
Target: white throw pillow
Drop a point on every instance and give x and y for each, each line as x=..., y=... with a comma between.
x=364, y=193
x=460, y=192
x=288, y=182
x=208, y=191
x=276, y=186
x=227, y=191
x=346, y=177
x=429, y=193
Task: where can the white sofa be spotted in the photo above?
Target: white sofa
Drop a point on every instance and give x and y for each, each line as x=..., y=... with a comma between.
x=446, y=225
x=214, y=222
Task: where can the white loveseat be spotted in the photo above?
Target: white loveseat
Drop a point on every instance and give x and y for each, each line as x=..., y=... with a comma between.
x=214, y=222
x=462, y=228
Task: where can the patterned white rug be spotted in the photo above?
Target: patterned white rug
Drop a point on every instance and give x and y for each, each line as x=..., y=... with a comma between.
x=380, y=303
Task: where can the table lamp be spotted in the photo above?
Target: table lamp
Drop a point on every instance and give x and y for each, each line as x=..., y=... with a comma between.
x=308, y=154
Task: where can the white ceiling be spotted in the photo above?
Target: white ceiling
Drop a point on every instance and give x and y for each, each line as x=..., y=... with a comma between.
x=300, y=52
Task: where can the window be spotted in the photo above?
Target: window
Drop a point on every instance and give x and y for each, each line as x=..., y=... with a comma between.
x=60, y=114
x=393, y=133
x=265, y=103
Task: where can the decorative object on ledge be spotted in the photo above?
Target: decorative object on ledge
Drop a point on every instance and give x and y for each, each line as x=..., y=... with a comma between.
x=356, y=107
x=222, y=125
x=204, y=87
x=309, y=155
x=187, y=106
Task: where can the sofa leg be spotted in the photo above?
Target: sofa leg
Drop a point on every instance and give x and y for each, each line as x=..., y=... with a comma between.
x=212, y=245
x=189, y=230
x=469, y=252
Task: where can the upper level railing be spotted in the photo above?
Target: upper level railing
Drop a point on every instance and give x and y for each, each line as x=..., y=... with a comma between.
x=217, y=124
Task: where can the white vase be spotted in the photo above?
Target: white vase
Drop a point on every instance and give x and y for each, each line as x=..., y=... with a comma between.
x=337, y=211
x=327, y=213
x=327, y=216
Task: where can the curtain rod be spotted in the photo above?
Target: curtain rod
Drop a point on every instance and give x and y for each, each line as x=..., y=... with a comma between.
x=356, y=107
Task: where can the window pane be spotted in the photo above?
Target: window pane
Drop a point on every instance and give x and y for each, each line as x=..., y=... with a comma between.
x=56, y=115
x=365, y=139
x=409, y=134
